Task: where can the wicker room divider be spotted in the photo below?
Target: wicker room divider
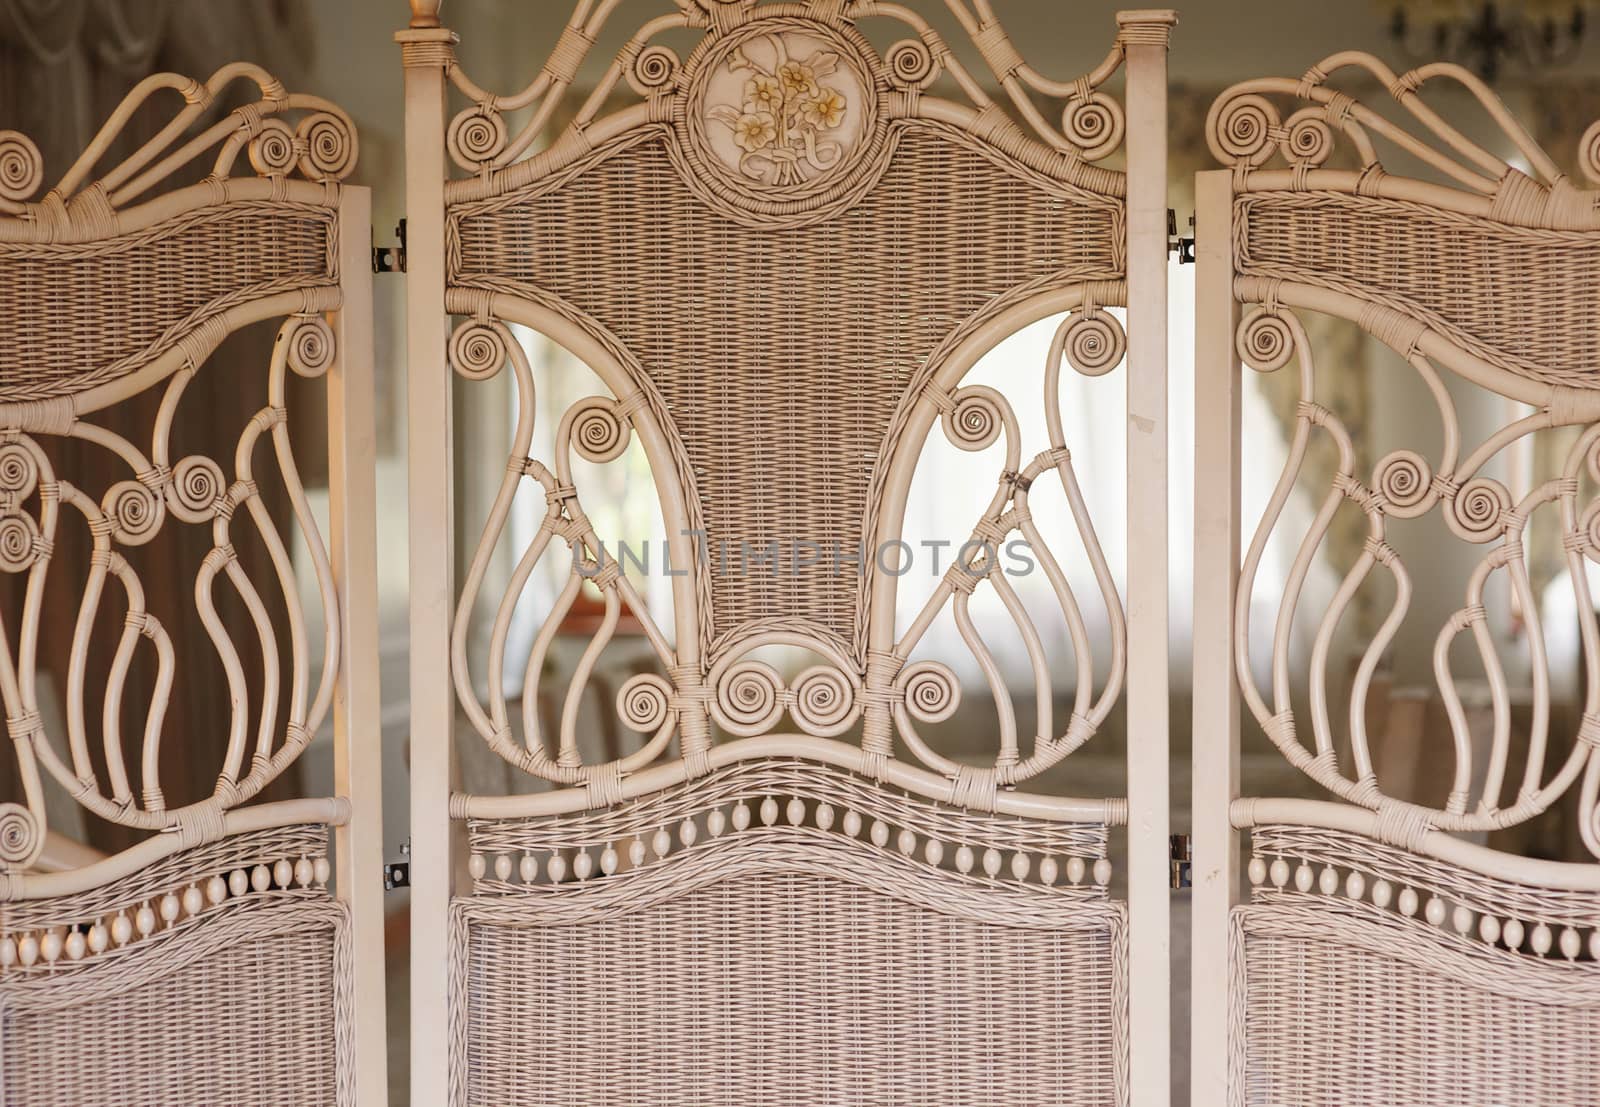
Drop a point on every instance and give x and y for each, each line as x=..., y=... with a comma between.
x=781, y=252
x=1380, y=957
x=211, y=962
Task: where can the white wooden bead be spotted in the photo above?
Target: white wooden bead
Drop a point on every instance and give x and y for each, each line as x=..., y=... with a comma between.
x=261, y=878
x=1048, y=870
x=1594, y=944
x=502, y=866
x=320, y=871
x=216, y=890
x=907, y=843
x=170, y=907
x=304, y=872
x=1489, y=929
x=1075, y=870
x=1512, y=933
x=741, y=816
x=1020, y=866
x=852, y=824
x=1257, y=870
x=1407, y=902
x=1279, y=872
x=1434, y=912
x=1461, y=919
x=1382, y=893
x=194, y=900
x=8, y=952
x=688, y=832
x=880, y=833
x=76, y=946
x=50, y=946
x=121, y=930
x=283, y=873
x=477, y=865
x=98, y=938
x=583, y=865
x=608, y=860
x=1328, y=881
x=528, y=868
x=825, y=816
x=28, y=950
x=991, y=862
x=796, y=811
x=1571, y=944
x=661, y=844
x=716, y=822
x=636, y=852
x=1303, y=877
x=1541, y=939
x=769, y=811
x=964, y=859
x=556, y=868
x=1355, y=885
x=238, y=882
x=934, y=851
x=1102, y=871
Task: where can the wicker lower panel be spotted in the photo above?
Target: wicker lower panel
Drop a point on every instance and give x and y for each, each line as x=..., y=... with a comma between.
x=1336, y=1009
x=787, y=988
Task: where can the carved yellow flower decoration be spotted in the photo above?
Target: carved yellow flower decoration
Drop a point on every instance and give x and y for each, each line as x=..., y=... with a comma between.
x=755, y=130
x=763, y=93
x=825, y=109
x=798, y=79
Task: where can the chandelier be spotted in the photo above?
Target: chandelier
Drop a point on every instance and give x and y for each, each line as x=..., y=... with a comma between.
x=1532, y=34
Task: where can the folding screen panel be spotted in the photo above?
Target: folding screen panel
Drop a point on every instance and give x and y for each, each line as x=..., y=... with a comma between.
x=149, y=549
x=1385, y=953
x=780, y=234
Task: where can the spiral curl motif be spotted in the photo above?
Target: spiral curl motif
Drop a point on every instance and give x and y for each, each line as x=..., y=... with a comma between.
x=643, y=702
x=21, y=166
x=1405, y=481
x=653, y=71
x=477, y=135
x=1093, y=342
x=197, y=485
x=329, y=144
x=135, y=512
x=272, y=152
x=19, y=470
x=311, y=347
x=1309, y=139
x=19, y=547
x=1478, y=510
x=478, y=351
x=931, y=691
x=598, y=434
x=1094, y=125
x=750, y=698
x=1241, y=130
x=1589, y=531
x=976, y=418
x=1589, y=152
x=822, y=701
x=910, y=64
x=1265, y=342
x=21, y=836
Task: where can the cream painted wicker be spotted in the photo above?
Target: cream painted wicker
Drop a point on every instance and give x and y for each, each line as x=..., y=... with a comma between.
x=1383, y=958
x=211, y=962
x=781, y=252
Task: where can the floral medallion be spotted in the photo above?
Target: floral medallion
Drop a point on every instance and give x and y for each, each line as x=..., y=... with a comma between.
x=781, y=115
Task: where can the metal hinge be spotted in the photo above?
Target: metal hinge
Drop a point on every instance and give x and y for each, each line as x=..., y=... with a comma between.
x=391, y=259
x=1178, y=854
x=397, y=874
x=1183, y=246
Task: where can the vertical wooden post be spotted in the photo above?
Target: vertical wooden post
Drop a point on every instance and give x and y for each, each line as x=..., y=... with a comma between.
x=1216, y=571
x=353, y=539
x=1145, y=35
x=425, y=51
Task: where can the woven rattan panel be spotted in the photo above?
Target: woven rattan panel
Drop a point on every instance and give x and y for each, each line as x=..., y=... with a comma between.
x=1526, y=299
x=781, y=354
x=81, y=314
x=1344, y=1011
x=240, y=1011
x=792, y=990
